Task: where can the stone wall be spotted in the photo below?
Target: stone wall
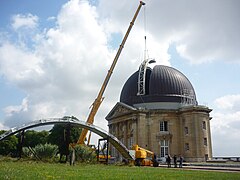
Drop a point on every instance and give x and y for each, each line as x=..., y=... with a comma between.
x=188, y=131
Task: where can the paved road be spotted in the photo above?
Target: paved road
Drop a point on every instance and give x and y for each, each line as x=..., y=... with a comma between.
x=209, y=168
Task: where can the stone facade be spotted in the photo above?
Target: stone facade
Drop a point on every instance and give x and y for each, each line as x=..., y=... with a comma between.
x=184, y=131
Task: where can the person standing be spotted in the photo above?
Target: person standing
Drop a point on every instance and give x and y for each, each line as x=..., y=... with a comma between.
x=175, y=160
x=180, y=161
x=169, y=161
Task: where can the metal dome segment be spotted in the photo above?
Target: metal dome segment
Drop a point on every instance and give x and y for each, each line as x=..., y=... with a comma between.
x=130, y=88
x=163, y=84
x=167, y=81
x=74, y=121
x=142, y=76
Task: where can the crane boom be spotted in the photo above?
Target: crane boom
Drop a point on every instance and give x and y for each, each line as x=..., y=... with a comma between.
x=97, y=102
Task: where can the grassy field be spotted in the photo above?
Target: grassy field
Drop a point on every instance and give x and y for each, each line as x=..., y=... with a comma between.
x=39, y=170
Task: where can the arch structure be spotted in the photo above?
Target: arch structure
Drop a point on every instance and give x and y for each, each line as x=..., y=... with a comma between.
x=127, y=154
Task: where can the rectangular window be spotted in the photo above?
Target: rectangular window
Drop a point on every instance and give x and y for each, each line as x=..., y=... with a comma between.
x=205, y=141
x=186, y=130
x=187, y=147
x=163, y=126
x=204, y=125
x=163, y=148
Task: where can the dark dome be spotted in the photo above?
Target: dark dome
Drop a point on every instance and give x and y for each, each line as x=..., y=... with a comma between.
x=163, y=84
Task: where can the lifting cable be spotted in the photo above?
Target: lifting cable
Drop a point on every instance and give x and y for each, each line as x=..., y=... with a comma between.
x=145, y=41
x=145, y=34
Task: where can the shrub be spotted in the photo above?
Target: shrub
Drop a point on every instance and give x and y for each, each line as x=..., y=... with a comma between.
x=84, y=153
x=26, y=152
x=45, y=151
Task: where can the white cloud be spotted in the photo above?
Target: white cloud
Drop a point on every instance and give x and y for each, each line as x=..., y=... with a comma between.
x=227, y=112
x=51, y=18
x=2, y=127
x=29, y=111
x=202, y=31
x=226, y=125
x=19, y=66
x=228, y=102
x=24, y=21
x=62, y=73
x=10, y=110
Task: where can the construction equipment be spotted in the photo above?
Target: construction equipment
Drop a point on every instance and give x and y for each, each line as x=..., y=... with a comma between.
x=144, y=157
x=99, y=99
x=102, y=151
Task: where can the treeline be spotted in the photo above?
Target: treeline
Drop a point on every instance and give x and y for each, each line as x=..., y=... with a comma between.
x=57, y=139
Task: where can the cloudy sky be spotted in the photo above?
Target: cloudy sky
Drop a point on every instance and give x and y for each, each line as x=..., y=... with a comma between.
x=55, y=54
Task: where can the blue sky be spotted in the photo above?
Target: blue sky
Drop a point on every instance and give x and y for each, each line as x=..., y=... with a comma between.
x=55, y=54
x=10, y=93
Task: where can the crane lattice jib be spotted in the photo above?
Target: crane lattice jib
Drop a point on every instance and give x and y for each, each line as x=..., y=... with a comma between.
x=99, y=98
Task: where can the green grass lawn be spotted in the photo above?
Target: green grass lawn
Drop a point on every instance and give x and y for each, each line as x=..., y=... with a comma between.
x=39, y=170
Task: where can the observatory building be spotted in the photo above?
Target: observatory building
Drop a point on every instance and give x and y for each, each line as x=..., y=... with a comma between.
x=158, y=110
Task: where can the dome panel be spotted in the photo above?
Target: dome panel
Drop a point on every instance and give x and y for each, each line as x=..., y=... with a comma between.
x=163, y=84
x=130, y=88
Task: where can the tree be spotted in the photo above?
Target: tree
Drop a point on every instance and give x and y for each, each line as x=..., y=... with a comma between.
x=33, y=138
x=60, y=137
x=9, y=145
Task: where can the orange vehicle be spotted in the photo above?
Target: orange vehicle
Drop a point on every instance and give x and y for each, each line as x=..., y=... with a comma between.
x=102, y=158
x=144, y=157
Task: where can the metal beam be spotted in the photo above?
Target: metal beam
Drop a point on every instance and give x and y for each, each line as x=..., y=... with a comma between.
x=76, y=122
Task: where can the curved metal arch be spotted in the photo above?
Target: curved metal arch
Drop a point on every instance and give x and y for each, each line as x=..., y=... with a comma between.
x=74, y=121
x=142, y=76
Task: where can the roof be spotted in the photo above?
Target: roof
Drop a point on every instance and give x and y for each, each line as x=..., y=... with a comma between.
x=163, y=84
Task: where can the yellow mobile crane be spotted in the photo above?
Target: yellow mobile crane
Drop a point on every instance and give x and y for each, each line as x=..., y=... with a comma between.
x=100, y=98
